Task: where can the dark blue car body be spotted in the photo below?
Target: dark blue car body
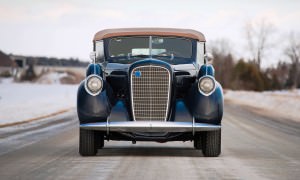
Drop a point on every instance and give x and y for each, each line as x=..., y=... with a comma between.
x=190, y=116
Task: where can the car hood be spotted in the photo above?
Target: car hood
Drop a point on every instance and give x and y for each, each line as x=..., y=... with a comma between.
x=112, y=67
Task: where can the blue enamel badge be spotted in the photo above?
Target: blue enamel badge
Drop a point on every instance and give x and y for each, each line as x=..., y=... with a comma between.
x=137, y=73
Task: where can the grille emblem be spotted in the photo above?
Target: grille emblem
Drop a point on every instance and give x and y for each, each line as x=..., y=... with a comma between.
x=137, y=73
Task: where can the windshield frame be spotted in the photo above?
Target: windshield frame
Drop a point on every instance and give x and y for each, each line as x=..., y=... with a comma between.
x=189, y=60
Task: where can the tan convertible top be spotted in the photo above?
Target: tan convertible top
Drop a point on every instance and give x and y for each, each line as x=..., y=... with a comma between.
x=188, y=33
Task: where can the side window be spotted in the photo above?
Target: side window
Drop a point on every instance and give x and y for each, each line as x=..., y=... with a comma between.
x=200, y=53
x=99, y=51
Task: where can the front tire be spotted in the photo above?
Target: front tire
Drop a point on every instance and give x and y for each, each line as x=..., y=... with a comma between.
x=211, y=143
x=87, y=145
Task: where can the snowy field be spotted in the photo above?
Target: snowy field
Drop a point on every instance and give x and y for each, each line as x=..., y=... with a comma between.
x=282, y=104
x=26, y=101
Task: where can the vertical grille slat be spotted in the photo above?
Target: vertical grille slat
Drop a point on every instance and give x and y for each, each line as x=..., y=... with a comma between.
x=150, y=91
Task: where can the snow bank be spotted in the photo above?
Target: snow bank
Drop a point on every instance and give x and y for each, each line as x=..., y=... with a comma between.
x=285, y=104
x=51, y=78
x=63, y=77
x=6, y=80
x=24, y=101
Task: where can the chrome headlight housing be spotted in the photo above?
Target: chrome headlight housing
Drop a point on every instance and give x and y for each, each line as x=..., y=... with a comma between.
x=206, y=85
x=93, y=84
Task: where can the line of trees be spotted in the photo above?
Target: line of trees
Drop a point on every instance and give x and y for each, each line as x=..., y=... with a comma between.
x=247, y=73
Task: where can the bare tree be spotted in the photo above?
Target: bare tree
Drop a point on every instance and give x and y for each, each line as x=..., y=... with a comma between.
x=220, y=46
x=223, y=60
x=293, y=52
x=258, y=39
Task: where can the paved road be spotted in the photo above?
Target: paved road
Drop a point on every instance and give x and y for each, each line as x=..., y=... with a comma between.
x=254, y=147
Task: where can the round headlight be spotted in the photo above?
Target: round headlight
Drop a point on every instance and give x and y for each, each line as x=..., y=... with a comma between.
x=94, y=84
x=206, y=85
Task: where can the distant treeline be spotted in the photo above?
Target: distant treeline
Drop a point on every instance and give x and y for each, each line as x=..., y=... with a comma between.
x=260, y=37
x=10, y=60
x=25, y=67
x=50, y=61
x=246, y=75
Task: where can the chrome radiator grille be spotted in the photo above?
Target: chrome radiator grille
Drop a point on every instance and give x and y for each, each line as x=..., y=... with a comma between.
x=150, y=92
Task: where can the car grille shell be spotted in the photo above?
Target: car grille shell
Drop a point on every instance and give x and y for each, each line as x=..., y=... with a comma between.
x=150, y=93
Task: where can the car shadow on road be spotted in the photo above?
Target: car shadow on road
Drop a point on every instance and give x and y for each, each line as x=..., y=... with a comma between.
x=150, y=151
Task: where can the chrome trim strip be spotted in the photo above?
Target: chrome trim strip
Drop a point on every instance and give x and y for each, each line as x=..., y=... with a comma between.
x=169, y=90
x=107, y=126
x=151, y=126
x=150, y=46
x=193, y=126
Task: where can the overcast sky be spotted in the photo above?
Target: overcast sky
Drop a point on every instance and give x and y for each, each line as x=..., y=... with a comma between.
x=59, y=28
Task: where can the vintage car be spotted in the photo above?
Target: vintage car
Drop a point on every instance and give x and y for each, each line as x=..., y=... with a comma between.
x=150, y=84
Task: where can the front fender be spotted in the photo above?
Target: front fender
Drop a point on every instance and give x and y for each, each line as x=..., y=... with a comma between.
x=206, y=109
x=92, y=108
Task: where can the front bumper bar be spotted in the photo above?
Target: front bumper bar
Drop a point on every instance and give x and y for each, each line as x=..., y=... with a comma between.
x=150, y=126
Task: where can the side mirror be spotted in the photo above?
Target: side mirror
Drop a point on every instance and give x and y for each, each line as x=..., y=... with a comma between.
x=93, y=56
x=208, y=58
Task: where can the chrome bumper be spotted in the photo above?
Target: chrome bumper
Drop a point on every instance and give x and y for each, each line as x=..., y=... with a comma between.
x=150, y=126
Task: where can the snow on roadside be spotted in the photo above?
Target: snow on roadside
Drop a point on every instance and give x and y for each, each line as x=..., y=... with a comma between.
x=6, y=80
x=285, y=104
x=51, y=78
x=24, y=101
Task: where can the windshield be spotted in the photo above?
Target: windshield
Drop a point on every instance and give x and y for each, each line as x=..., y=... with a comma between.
x=126, y=50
